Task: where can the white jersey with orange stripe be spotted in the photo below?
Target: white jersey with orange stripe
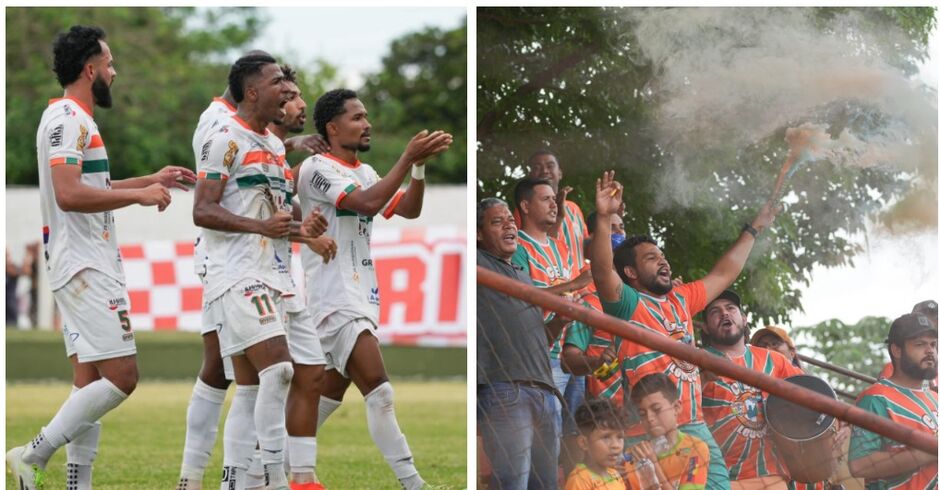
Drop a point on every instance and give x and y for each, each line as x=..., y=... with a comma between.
x=73, y=241
x=347, y=284
x=252, y=167
x=218, y=112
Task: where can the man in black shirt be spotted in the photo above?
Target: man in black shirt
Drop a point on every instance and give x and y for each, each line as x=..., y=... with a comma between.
x=515, y=395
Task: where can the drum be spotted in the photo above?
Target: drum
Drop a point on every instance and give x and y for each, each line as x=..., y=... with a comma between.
x=803, y=437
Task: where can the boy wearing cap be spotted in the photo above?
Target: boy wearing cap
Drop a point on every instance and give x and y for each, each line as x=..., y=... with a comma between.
x=883, y=463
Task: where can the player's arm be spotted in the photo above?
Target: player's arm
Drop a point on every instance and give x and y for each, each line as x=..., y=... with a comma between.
x=370, y=202
x=310, y=143
x=608, y=200
x=170, y=177
x=412, y=200
x=74, y=196
x=731, y=263
x=580, y=282
x=208, y=213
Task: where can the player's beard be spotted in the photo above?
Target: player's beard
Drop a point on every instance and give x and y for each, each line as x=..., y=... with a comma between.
x=913, y=369
x=101, y=92
x=727, y=340
x=357, y=147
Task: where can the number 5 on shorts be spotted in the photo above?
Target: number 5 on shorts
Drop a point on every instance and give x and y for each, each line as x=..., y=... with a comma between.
x=125, y=320
x=263, y=304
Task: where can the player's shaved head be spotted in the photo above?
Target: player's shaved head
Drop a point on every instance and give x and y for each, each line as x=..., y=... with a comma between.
x=73, y=49
x=244, y=70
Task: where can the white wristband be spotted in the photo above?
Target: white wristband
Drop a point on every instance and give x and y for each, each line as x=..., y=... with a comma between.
x=417, y=172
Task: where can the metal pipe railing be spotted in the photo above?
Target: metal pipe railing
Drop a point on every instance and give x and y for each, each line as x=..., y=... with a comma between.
x=705, y=360
x=838, y=369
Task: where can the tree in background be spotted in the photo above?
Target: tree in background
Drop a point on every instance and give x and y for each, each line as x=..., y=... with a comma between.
x=168, y=70
x=422, y=85
x=574, y=81
x=860, y=347
x=172, y=61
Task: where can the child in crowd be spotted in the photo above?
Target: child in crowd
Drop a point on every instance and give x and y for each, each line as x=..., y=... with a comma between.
x=679, y=460
x=601, y=441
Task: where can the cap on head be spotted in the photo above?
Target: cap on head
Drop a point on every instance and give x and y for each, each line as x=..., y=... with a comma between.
x=773, y=330
x=927, y=308
x=729, y=295
x=909, y=326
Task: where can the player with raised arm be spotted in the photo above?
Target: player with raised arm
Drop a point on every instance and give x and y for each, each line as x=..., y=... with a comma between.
x=77, y=197
x=240, y=196
x=343, y=294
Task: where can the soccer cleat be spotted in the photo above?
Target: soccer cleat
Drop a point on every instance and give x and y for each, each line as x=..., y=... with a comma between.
x=26, y=476
x=307, y=486
x=187, y=484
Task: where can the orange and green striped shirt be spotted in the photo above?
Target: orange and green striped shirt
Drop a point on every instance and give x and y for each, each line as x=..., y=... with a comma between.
x=548, y=264
x=735, y=415
x=916, y=409
x=685, y=464
x=670, y=315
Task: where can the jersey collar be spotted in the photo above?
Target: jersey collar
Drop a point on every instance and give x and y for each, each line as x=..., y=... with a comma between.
x=85, y=108
x=245, y=125
x=227, y=104
x=341, y=161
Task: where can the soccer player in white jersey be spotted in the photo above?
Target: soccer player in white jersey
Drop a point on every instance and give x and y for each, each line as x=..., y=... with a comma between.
x=240, y=200
x=77, y=197
x=215, y=375
x=343, y=294
x=304, y=343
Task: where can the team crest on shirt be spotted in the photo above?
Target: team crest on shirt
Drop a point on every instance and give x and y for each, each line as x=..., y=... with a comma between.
x=82, y=134
x=682, y=370
x=930, y=420
x=748, y=409
x=229, y=157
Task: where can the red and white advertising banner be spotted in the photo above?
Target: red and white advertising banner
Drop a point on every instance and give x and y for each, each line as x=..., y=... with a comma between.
x=420, y=273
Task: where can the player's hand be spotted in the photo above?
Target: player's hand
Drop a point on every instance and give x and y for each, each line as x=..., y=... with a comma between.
x=765, y=217
x=311, y=143
x=324, y=246
x=609, y=194
x=677, y=281
x=154, y=195
x=277, y=226
x=424, y=145
x=174, y=177
x=314, y=224
x=583, y=280
x=609, y=354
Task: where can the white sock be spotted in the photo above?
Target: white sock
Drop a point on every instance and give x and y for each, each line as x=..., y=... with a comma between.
x=77, y=477
x=270, y=412
x=78, y=414
x=303, y=454
x=325, y=408
x=383, y=427
x=254, y=477
x=202, y=428
x=83, y=449
x=233, y=478
x=240, y=438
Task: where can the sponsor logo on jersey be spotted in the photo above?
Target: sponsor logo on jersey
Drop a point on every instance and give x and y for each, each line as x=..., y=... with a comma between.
x=82, y=134
x=267, y=319
x=367, y=262
x=68, y=110
x=319, y=182
x=127, y=337
x=204, y=154
x=114, y=304
x=374, y=296
x=930, y=421
x=55, y=138
x=229, y=157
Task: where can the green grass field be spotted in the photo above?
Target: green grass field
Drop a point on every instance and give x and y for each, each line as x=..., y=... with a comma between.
x=142, y=440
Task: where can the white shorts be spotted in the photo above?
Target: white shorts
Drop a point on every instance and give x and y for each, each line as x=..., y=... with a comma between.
x=95, y=312
x=213, y=318
x=246, y=314
x=338, y=334
x=302, y=339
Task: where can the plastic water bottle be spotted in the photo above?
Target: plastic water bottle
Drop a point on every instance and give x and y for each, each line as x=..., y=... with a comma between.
x=660, y=444
x=646, y=475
